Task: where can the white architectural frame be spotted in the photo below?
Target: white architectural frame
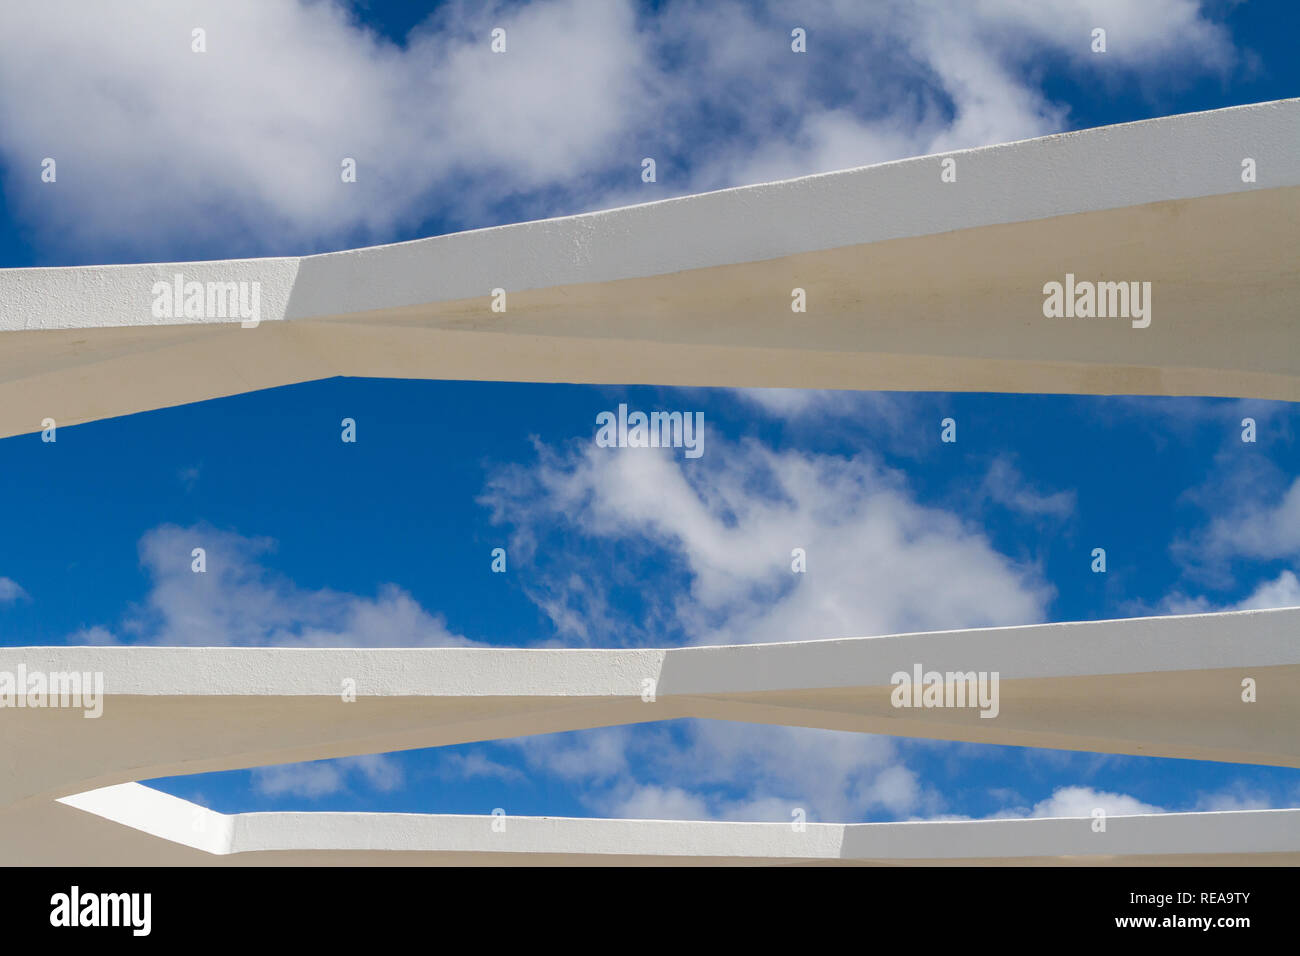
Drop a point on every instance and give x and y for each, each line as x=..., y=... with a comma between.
x=913, y=283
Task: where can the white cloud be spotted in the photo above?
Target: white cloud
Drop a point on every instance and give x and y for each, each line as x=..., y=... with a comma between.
x=1138, y=34
x=882, y=408
x=1080, y=802
x=1284, y=591
x=1254, y=517
x=1258, y=530
x=237, y=600
x=244, y=142
x=720, y=532
x=1005, y=485
x=310, y=780
x=380, y=771
x=93, y=637
x=701, y=769
x=475, y=765
x=592, y=755
x=896, y=789
x=1239, y=796
x=653, y=802
x=189, y=477
x=11, y=591
x=323, y=778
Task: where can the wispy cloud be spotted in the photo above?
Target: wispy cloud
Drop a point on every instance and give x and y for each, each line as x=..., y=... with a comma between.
x=1005, y=485
x=1256, y=528
x=1247, y=524
x=700, y=769
x=323, y=778
x=717, y=539
x=474, y=766
x=236, y=599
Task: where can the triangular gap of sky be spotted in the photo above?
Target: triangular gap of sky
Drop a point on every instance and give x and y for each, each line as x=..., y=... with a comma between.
x=388, y=540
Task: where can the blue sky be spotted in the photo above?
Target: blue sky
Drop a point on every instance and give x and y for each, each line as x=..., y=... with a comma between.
x=387, y=541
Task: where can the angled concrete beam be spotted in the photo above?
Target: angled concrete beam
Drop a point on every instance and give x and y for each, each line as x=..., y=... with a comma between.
x=912, y=284
x=135, y=825
x=1164, y=687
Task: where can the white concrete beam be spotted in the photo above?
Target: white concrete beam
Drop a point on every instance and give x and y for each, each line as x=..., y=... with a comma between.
x=1167, y=687
x=912, y=284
